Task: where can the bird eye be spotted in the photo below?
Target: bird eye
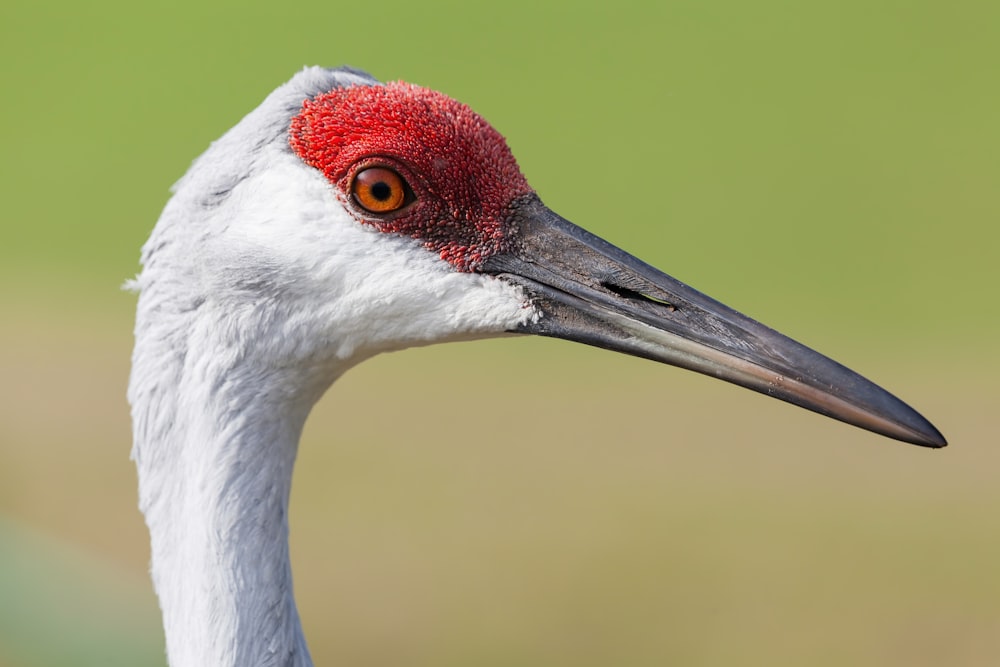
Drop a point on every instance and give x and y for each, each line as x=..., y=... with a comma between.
x=379, y=190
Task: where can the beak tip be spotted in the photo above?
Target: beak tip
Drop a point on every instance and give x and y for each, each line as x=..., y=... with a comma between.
x=934, y=441
x=922, y=433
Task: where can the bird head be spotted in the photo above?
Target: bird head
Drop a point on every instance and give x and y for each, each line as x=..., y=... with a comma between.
x=344, y=217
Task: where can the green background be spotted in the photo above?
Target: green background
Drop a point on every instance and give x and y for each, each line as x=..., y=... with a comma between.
x=829, y=168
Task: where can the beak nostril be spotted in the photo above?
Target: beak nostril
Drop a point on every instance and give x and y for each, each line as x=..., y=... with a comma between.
x=627, y=293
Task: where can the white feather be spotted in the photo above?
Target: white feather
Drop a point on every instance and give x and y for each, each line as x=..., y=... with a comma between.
x=258, y=290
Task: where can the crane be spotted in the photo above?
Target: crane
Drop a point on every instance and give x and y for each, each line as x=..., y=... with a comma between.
x=342, y=218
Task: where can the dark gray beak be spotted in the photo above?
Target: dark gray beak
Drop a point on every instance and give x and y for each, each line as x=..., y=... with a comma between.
x=591, y=292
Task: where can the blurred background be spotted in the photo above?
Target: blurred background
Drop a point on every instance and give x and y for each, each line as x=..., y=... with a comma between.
x=828, y=168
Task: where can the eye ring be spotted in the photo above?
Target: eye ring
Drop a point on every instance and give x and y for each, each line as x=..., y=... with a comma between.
x=380, y=190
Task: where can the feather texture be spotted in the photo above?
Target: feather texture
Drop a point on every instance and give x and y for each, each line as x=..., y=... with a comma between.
x=258, y=290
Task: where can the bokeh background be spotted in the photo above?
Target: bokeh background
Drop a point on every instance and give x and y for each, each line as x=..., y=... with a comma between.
x=830, y=168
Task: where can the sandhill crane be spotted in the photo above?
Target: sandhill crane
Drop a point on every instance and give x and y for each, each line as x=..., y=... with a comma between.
x=340, y=219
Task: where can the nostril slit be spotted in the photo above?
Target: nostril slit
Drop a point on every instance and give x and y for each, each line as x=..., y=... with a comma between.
x=627, y=293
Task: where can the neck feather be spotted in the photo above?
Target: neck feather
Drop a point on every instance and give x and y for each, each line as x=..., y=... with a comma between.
x=215, y=444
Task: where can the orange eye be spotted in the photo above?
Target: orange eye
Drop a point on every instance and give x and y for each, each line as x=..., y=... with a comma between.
x=379, y=190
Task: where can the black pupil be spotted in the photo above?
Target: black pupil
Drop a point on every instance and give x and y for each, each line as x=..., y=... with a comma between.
x=381, y=190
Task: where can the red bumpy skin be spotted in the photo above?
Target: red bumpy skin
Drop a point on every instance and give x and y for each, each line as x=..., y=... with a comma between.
x=462, y=175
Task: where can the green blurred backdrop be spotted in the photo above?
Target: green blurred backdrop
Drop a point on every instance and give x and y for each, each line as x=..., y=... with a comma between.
x=830, y=168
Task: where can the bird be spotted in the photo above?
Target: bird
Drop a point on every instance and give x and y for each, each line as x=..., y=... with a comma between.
x=345, y=217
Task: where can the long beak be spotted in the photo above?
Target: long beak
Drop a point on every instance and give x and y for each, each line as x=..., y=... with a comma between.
x=591, y=292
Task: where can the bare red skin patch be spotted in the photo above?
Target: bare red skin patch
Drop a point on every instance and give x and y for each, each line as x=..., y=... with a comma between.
x=459, y=168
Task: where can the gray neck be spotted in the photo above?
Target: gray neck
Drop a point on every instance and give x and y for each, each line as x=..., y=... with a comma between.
x=215, y=444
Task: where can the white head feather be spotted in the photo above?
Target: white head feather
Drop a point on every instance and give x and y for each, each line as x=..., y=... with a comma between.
x=258, y=290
